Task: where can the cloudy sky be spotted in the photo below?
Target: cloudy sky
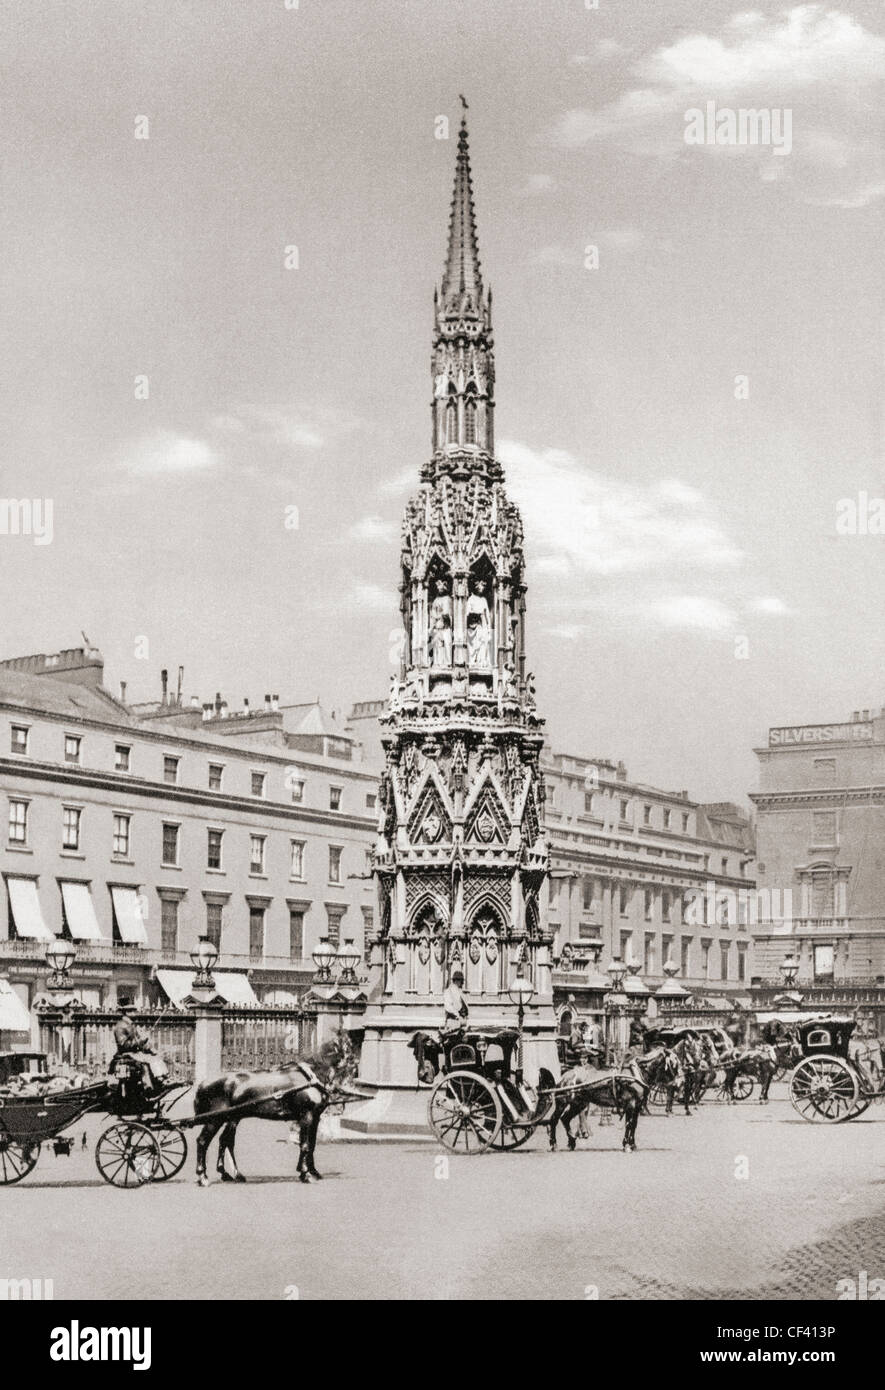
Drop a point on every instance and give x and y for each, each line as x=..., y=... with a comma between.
x=680, y=422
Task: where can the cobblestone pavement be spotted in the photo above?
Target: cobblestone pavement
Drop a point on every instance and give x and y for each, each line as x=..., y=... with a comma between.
x=674, y=1220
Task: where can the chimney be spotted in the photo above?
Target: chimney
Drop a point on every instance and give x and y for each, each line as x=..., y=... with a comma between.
x=123, y=691
x=208, y=711
x=855, y=715
x=267, y=704
x=275, y=702
x=195, y=702
x=246, y=706
x=866, y=714
x=164, y=681
x=180, y=682
x=223, y=710
x=218, y=702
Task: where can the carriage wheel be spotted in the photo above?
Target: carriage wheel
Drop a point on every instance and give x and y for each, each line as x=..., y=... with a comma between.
x=824, y=1090
x=863, y=1104
x=172, y=1144
x=658, y=1097
x=512, y=1136
x=464, y=1112
x=127, y=1155
x=743, y=1086
x=16, y=1159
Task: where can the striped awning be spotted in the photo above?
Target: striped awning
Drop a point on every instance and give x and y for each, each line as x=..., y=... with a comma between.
x=80, y=912
x=233, y=988
x=14, y=1017
x=130, y=920
x=26, y=911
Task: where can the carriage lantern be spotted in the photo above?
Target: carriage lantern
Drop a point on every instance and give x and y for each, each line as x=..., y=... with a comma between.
x=789, y=968
x=521, y=992
x=323, y=957
x=60, y=956
x=203, y=957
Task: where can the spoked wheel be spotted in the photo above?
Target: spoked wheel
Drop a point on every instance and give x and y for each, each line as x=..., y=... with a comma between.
x=743, y=1086
x=658, y=1097
x=512, y=1136
x=464, y=1112
x=863, y=1104
x=16, y=1159
x=172, y=1144
x=824, y=1090
x=127, y=1155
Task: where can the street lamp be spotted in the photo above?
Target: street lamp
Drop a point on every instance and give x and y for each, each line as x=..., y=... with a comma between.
x=616, y=1005
x=521, y=993
x=60, y=956
x=348, y=960
x=203, y=957
x=323, y=957
x=789, y=968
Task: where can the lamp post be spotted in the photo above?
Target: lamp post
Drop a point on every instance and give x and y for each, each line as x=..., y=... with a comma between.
x=789, y=968
x=348, y=960
x=323, y=957
x=203, y=957
x=616, y=1006
x=521, y=993
x=60, y=956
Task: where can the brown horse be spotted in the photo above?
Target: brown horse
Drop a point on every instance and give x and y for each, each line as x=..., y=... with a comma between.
x=623, y=1091
x=300, y=1093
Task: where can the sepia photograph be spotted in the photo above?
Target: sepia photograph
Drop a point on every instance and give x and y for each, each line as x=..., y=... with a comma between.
x=442, y=666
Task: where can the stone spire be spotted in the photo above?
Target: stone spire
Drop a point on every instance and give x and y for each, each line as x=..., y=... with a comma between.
x=462, y=275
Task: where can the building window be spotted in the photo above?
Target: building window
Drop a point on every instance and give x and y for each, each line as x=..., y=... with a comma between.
x=216, y=772
x=122, y=755
x=213, y=859
x=170, y=770
x=335, y=915
x=685, y=822
x=588, y=803
x=625, y=810
x=649, y=904
x=121, y=835
x=334, y=798
x=170, y=844
x=70, y=828
x=298, y=791
x=626, y=946
x=587, y=888
x=296, y=933
x=18, y=822
x=624, y=899
x=667, y=817
x=259, y=782
x=256, y=854
x=742, y=964
x=18, y=738
x=725, y=865
x=823, y=963
x=296, y=866
x=470, y=423
x=825, y=768
x=685, y=957
x=214, y=919
x=371, y=801
x=335, y=853
x=451, y=423
x=370, y=866
x=823, y=827
x=648, y=963
x=72, y=748
x=724, y=952
x=646, y=815
x=256, y=932
x=705, y=960
x=666, y=905
x=823, y=895
x=169, y=925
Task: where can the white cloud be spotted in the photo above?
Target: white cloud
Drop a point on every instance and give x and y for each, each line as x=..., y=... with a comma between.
x=166, y=452
x=694, y=611
x=406, y=481
x=822, y=60
x=606, y=526
x=769, y=605
x=280, y=424
x=374, y=598
x=535, y=184
x=373, y=528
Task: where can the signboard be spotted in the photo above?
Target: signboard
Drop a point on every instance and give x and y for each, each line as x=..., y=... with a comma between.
x=793, y=735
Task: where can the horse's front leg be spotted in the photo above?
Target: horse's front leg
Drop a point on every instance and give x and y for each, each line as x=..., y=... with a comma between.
x=312, y=1142
x=631, y=1110
x=551, y=1128
x=304, y=1125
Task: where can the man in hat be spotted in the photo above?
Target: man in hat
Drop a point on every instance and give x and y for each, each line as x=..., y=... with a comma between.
x=131, y=1042
x=454, y=1003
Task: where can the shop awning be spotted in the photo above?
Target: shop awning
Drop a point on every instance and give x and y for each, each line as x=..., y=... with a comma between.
x=80, y=912
x=14, y=1017
x=233, y=988
x=26, y=911
x=130, y=922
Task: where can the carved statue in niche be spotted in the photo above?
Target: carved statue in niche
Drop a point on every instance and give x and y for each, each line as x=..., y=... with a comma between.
x=479, y=627
x=441, y=626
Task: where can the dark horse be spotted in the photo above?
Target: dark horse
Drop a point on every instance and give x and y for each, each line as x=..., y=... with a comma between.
x=300, y=1093
x=623, y=1091
x=760, y=1061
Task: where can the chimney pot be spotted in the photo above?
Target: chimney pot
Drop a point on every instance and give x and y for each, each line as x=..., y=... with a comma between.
x=123, y=691
x=164, y=681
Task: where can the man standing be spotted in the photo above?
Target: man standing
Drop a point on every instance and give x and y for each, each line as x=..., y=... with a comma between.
x=454, y=1003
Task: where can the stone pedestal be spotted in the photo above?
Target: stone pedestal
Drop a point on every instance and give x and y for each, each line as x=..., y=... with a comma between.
x=208, y=1011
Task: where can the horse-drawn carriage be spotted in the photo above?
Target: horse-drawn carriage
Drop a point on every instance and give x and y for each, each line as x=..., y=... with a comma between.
x=710, y=1074
x=830, y=1085
x=142, y=1145
x=480, y=1099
